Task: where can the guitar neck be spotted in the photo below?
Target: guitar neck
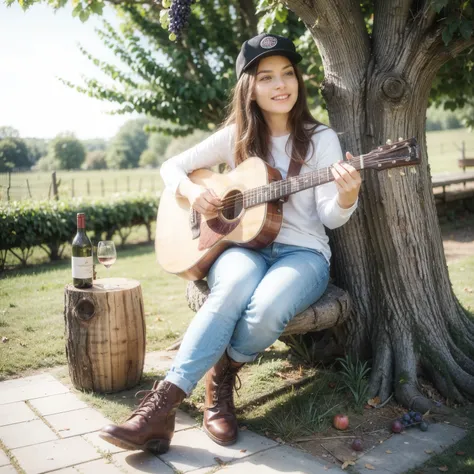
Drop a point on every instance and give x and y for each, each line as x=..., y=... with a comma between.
x=279, y=189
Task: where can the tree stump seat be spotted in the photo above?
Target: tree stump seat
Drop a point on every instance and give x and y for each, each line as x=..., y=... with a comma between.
x=332, y=309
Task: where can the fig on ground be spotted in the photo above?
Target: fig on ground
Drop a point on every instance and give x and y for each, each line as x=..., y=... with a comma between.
x=357, y=445
x=397, y=426
x=424, y=426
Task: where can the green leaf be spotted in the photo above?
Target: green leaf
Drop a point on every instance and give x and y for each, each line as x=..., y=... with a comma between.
x=466, y=29
x=446, y=36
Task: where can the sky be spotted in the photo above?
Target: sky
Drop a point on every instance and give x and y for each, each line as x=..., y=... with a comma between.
x=37, y=47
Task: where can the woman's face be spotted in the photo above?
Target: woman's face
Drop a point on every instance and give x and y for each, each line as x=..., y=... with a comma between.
x=276, y=85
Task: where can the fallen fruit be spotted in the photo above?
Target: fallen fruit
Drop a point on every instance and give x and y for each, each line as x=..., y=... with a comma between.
x=357, y=445
x=424, y=426
x=340, y=422
x=397, y=426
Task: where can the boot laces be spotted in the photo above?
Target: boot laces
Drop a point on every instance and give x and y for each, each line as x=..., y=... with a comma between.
x=227, y=385
x=151, y=401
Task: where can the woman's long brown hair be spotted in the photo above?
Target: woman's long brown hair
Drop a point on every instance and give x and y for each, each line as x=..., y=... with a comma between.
x=252, y=135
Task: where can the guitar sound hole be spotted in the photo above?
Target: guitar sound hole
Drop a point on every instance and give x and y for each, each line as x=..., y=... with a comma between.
x=233, y=205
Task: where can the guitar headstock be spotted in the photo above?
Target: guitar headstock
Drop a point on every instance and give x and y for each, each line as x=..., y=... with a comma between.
x=392, y=155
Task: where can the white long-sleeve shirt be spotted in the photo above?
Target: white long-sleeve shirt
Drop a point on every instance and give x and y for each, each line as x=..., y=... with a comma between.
x=305, y=213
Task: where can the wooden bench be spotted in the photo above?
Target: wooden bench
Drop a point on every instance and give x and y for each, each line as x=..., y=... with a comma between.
x=465, y=162
x=448, y=179
x=332, y=309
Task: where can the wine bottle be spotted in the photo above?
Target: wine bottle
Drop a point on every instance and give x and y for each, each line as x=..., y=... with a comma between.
x=82, y=263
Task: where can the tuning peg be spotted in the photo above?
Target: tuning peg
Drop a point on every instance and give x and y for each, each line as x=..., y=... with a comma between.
x=413, y=170
x=402, y=173
x=389, y=142
x=400, y=139
x=389, y=174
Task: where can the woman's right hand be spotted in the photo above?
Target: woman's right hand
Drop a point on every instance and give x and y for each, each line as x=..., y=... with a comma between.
x=202, y=199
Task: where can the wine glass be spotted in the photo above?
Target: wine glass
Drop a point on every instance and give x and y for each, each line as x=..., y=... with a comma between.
x=106, y=254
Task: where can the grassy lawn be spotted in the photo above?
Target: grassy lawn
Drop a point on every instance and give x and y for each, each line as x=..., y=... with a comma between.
x=31, y=308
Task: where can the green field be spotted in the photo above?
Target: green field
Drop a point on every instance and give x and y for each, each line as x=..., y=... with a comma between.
x=443, y=154
x=444, y=149
x=79, y=183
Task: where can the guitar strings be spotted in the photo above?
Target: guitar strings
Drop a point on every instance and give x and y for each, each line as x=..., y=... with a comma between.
x=253, y=194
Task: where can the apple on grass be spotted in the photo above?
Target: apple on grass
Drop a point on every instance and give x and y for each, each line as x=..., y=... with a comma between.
x=341, y=422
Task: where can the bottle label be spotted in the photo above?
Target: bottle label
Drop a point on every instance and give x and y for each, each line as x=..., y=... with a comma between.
x=82, y=267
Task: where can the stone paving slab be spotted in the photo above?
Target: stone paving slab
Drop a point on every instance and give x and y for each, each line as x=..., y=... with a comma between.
x=27, y=388
x=281, y=459
x=140, y=462
x=16, y=412
x=408, y=449
x=8, y=470
x=193, y=449
x=57, y=404
x=25, y=434
x=77, y=422
x=101, y=445
x=53, y=455
x=101, y=466
x=4, y=460
x=184, y=421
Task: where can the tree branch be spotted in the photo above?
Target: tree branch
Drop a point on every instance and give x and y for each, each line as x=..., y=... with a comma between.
x=247, y=13
x=390, y=21
x=435, y=53
x=427, y=15
x=339, y=31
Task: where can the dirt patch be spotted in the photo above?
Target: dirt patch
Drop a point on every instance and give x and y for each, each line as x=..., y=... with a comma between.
x=372, y=427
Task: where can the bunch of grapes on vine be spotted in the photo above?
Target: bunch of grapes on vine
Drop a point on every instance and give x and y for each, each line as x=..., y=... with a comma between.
x=175, y=16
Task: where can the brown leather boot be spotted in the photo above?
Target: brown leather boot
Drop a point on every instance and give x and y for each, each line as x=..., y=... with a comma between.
x=151, y=426
x=220, y=423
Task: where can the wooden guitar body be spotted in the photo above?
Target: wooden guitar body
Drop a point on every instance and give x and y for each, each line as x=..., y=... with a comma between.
x=190, y=256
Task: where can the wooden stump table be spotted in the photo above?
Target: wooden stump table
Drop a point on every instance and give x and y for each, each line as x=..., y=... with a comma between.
x=105, y=335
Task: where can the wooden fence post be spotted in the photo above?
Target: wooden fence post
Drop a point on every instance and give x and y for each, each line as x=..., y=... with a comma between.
x=55, y=186
x=116, y=185
x=72, y=187
x=140, y=184
x=29, y=190
x=128, y=184
x=102, y=187
x=88, y=188
x=9, y=185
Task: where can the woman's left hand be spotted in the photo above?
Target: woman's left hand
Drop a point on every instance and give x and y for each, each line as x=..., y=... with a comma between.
x=348, y=182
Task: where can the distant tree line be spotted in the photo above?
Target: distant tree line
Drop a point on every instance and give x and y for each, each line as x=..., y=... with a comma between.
x=136, y=144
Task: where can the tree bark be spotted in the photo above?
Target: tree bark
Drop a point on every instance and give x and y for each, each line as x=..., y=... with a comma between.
x=389, y=257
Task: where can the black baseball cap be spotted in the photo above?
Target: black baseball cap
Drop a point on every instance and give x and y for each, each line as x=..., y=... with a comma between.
x=265, y=45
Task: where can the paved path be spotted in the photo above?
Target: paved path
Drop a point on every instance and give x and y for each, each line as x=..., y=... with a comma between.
x=44, y=427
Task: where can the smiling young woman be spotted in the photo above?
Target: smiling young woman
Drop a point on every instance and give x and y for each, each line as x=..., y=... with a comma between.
x=254, y=292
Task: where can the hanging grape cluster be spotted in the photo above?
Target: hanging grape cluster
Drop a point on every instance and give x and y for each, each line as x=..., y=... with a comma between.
x=176, y=16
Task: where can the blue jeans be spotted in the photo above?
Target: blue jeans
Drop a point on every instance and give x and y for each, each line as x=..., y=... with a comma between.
x=254, y=295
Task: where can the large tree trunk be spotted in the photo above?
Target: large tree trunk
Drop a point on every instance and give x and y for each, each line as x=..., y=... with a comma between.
x=390, y=257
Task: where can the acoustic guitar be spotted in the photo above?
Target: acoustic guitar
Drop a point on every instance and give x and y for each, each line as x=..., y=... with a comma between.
x=187, y=243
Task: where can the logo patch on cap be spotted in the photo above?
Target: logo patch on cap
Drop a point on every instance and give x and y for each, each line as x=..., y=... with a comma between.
x=268, y=42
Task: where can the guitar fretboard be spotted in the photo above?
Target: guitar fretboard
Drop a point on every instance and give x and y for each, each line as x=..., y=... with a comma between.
x=279, y=189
